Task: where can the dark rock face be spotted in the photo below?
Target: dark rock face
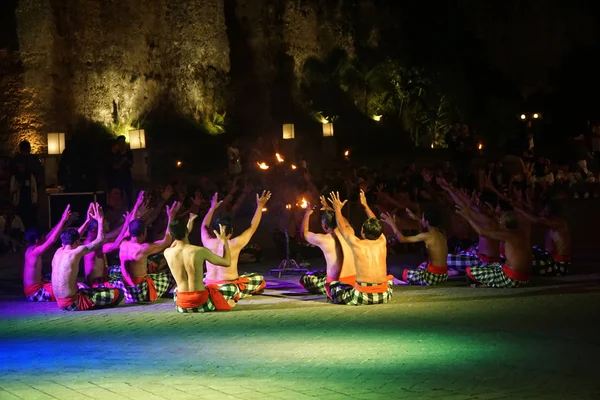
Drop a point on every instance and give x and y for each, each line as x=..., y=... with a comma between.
x=113, y=61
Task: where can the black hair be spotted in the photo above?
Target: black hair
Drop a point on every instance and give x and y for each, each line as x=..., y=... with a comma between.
x=32, y=235
x=226, y=222
x=328, y=219
x=25, y=145
x=432, y=218
x=137, y=227
x=511, y=222
x=372, y=229
x=69, y=236
x=178, y=230
x=119, y=138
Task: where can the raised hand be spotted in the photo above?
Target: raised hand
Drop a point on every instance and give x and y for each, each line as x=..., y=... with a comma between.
x=410, y=214
x=167, y=193
x=443, y=183
x=380, y=188
x=336, y=203
x=173, y=209
x=389, y=219
x=222, y=235
x=67, y=213
x=193, y=216
x=363, y=198
x=97, y=213
x=214, y=201
x=262, y=199
x=198, y=200
x=140, y=200
x=309, y=211
x=324, y=205
x=464, y=211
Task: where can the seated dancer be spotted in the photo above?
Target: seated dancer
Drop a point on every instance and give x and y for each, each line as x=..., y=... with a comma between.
x=338, y=256
x=516, y=271
x=36, y=288
x=435, y=270
x=555, y=259
x=373, y=285
x=487, y=250
x=65, y=266
x=138, y=285
x=96, y=272
x=186, y=262
x=248, y=284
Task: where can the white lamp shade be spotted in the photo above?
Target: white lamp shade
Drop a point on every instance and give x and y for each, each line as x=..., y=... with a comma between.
x=288, y=131
x=56, y=143
x=328, y=129
x=137, y=139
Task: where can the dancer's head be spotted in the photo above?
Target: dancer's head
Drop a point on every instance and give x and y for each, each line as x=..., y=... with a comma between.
x=509, y=221
x=70, y=237
x=178, y=230
x=328, y=222
x=226, y=222
x=137, y=229
x=34, y=236
x=430, y=219
x=371, y=229
x=92, y=229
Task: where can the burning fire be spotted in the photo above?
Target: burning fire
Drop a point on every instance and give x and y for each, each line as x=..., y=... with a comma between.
x=288, y=206
x=264, y=209
x=480, y=147
x=347, y=153
x=262, y=165
x=178, y=164
x=279, y=158
x=294, y=167
x=303, y=203
x=432, y=145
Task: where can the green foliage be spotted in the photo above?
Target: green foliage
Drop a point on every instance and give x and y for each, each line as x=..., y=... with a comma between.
x=214, y=124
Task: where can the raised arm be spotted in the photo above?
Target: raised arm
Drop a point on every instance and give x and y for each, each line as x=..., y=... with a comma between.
x=165, y=242
x=54, y=233
x=310, y=237
x=114, y=245
x=243, y=239
x=495, y=234
x=211, y=257
x=205, y=229
x=342, y=223
x=190, y=224
x=391, y=221
x=363, y=202
x=151, y=216
x=97, y=214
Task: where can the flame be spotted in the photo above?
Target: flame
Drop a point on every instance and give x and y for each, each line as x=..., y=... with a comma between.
x=264, y=209
x=279, y=158
x=432, y=145
x=288, y=206
x=179, y=163
x=303, y=203
x=262, y=165
x=294, y=167
x=480, y=146
x=347, y=153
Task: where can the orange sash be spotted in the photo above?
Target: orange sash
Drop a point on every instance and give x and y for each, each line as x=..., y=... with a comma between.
x=560, y=258
x=350, y=279
x=436, y=269
x=488, y=260
x=83, y=302
x=239, y=282
x=378, y=288
x=152, y=295
x=197, y=299
x=30, y=290
x=512, y=274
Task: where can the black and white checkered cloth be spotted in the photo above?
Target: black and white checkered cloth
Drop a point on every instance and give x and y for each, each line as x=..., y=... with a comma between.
x=140, y=293
x=228, y=290
x=493, y=275
x=342, y=293
x=543, y=264
x=42, y=294
x=422, y=276
x=101, y=298
x=314, y=282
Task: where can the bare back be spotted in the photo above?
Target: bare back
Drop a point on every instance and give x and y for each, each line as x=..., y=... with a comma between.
x=370, y=258
x=337, y=253
x=217, y=272
x=437, y=247
x=558, y=239
x=32, y=269
x=134, y=257
x=94, y=264
x=517, y=250
x=65, y=266
x=186, y=264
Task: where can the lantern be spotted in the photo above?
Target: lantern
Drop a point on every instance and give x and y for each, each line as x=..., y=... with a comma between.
x=288, y=131
x=137, y=139
x=327, y=129
x=56, y=143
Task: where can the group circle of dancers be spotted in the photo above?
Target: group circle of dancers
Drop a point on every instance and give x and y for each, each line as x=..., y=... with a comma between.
x=356, y=268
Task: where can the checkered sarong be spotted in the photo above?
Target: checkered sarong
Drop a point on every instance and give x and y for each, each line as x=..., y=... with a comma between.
x=43, y=292
x=113, y=274
x=462, y=260
x=342, y=293
x=99, y=298
x=493, y=275
x=543, y=264
x=140, y=293
x=248, y=284
x=422, y=276
x=228, y=290
x=314, y=282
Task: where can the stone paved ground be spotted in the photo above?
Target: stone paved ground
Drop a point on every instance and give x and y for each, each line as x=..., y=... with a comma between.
x=449, y=342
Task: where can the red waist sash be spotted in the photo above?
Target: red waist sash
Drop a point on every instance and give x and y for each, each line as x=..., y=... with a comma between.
x=438, y=270
x=376, y=288
x=239, y=281
x=350, y=279
x=151, y=288
x=489, y=260
x=512, y=274
x=560, y=258
x=30, y=290
x=199, y=298
x=83, y=302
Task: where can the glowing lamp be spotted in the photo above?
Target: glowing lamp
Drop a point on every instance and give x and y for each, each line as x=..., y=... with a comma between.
x=432, y=145
x=294, y=167
x=56, y=143
x=347, y=153
x=137, y=139
x=178, y=164
x=377, y=117
x=262, y=165
x=288, y=131
x=264, y=209
x=279, y=158
x=288, y=206
x=480, y=147
x=327, y=129
x=523, y=116
x=536, y=116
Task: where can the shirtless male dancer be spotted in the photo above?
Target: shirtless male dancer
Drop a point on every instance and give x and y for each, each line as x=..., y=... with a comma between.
x=487, y=250
x=555, y=259
x=373, y=285
x=435, y=270
x=186, y=262
x=36, y=288
x=97, y=274
x=140, y=286
x=248, y=284
x=516, y=271
x=65, y=266
x=338, y=256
